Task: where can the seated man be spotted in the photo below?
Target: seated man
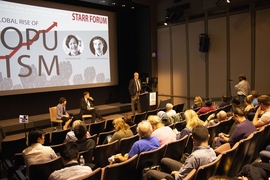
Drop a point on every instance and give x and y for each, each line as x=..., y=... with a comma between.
x=254, y=171
x=36, y=152
x=72, y=169
x=87, y=107
x=80, y=132
x=211, y=120
x=201, y=155
x=70, y=136
x=264, y=109
x=146, y=142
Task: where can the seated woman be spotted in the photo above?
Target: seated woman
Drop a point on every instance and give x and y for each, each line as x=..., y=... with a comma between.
x=61, y=113
x=164, y=134
x=207, y=108
x=247, y=105
x=242, y=130
x=122, y=130
x=192, y=120
x=198, y=102
x=70, y=136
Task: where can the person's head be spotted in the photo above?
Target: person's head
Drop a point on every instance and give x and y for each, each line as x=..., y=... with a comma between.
x=98, y=45
x=63, y=100
x=86, y=94
x=120, y=124
x=144, y=129
x=236, y=102
x=155, y=122
x=200, y=135
x=221, y=115
x=254, y=94
x=70, y=152
x=238, y=115
x=248, y=99
x=35, y=136
x=80, y=131
x=136, y=75
x=77, y=122
x=127, y=118
x=169, y=106
x=225, y=98
x=264, y=102
x=198, y=101
x=72, y=43
x=242, y=77
x=192, y=119
x=208, y=102
x=220, y=177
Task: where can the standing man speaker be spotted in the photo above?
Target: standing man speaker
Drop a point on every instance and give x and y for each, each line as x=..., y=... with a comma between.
x=135, y=87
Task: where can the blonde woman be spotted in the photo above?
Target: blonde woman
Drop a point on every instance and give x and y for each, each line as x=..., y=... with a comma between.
x=247, y=105
x=71, y=136
x=192, y=120
x=198, y=102
x=122, y=130
x=164, y=133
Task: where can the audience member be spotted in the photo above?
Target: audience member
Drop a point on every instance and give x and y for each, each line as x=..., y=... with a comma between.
x=265, y=154
x=255, y=96
x=192, y=121
x=242, y=130
x=87, y=107
x=169, y=110
x=70, y=136
x=242, y=88
x=164, y=134
x=201, y=155
x=128, y=119
x=225, y=101
x=72, y=169
x=146, y=142
x=198, y=102
x=61, y=113
x=122, y=130
x=214, y=119
x=207, y=108
x=36, y=152
x=264, y=109
x=255, y=171
x=164, y=118
x=80, y=132
x=247, y=105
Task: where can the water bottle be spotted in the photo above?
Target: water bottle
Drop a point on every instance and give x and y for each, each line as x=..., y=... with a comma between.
x=82, y=162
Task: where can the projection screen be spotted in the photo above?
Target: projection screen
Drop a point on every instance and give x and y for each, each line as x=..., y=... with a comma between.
x=47, y=49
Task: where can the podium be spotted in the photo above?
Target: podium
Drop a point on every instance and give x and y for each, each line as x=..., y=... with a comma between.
x=148, y=101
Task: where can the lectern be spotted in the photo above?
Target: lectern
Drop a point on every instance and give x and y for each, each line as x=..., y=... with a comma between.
x=148, y=101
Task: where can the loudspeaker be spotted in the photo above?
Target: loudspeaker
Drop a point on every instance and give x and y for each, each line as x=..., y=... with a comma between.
x=204, y=43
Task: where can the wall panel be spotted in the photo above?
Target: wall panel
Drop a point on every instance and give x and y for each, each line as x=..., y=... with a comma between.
x=217, y=57
x=262, y=52
x=240, y=47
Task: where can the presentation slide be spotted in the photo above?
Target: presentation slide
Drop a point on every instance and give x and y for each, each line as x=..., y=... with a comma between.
x=43, y=48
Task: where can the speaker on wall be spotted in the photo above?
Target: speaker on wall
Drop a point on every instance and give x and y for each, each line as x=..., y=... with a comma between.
x=204, y=43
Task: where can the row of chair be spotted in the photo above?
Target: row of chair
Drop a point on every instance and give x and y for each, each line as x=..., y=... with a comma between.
x=226, y=108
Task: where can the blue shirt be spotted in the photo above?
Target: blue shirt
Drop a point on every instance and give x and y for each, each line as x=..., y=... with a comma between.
x=201, y=155
x=144, y=145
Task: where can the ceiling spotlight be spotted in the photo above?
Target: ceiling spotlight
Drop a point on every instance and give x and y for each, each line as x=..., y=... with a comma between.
x=132, y=7
x=123, y=5
x=228, y=1
x=113, y=3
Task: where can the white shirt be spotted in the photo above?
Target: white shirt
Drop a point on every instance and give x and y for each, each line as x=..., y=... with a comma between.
x=71, y=172
x=242, y=88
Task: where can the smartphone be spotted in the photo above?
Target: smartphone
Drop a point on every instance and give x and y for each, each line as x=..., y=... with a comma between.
x=109, y=138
